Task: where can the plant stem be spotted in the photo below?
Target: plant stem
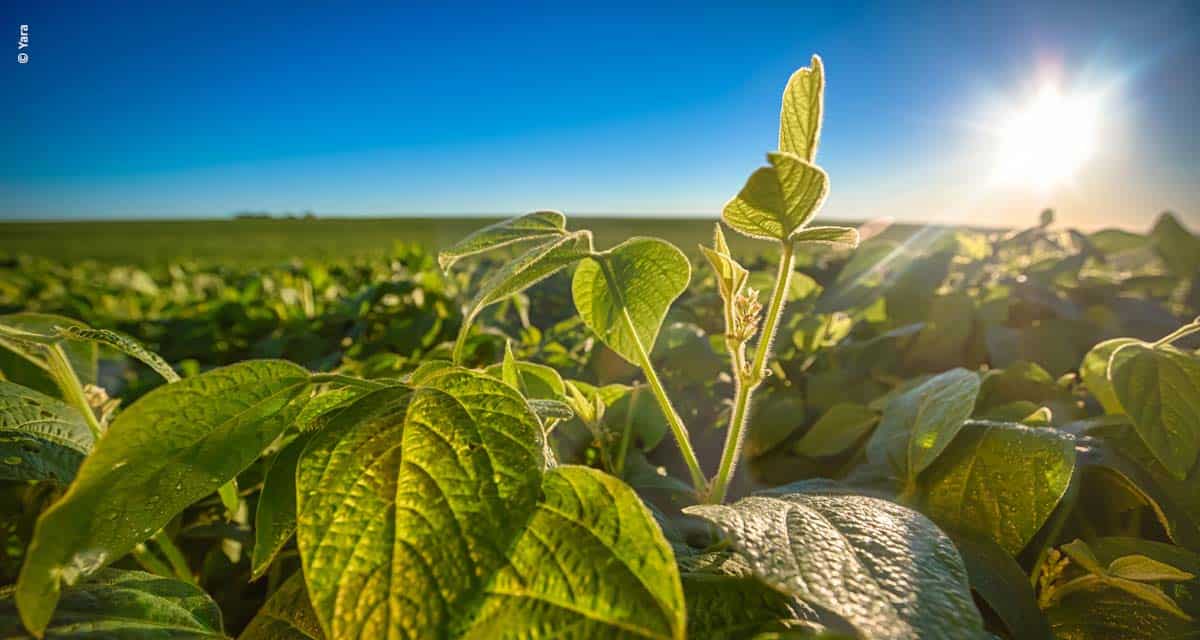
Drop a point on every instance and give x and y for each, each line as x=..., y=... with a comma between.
x=174, y=556
x=150, y=562
x=68, y=383
x=626, y=433
x=1178, y=334
x=748, y=381
x=660, y=394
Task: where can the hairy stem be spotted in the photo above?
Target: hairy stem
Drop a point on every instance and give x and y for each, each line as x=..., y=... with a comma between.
x=67, y=381
x=1180, y=333
x=678, y=430
x=748, y=381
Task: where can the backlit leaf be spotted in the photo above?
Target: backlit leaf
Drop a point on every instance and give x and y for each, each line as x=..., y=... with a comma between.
x=539, y=225
x=778, y=200
x=999, y=481
x=430, y=512
x=1159, y=388
x=625, y=300
x=800, y=117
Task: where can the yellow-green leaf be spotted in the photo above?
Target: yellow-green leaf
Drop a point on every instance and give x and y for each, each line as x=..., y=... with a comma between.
x=800, y=117
x=778, y=200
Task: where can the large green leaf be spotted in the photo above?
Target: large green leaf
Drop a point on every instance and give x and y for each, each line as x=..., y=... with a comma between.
x=275, y=516
x=999, y=481
x=1160, y=390
x=919, y=424
x=172, y=447
x=287, y=615
x=800, y=117
x=429, y=512
x=623, y=294
x=883, y=568
x=40, y=437
x=129, y=605
x=1094, y=371
x=539, y=225
x=778, y=200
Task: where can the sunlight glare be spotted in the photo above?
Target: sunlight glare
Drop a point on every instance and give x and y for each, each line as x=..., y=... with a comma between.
x=1049, y=140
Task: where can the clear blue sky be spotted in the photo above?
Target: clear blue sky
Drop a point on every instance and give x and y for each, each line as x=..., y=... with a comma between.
x=201, y=109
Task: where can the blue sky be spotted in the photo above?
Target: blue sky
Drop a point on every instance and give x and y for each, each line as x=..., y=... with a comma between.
x=203, y=109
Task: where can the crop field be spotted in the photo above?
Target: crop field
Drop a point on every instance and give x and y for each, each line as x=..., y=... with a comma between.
x=559, y=427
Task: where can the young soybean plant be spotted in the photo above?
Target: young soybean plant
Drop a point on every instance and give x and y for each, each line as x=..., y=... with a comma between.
x=623, y=293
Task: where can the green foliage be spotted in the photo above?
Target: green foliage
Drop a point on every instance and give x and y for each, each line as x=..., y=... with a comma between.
x=962, y=433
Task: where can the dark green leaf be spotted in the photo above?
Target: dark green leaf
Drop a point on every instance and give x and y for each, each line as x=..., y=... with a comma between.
x=1003, y=584
x=40, y=437
x=1160, y=390
x=126, y=605
x=275, y=516
x=883, y=568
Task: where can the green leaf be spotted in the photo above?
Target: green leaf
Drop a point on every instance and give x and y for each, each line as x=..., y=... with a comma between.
x=999, y=481
x=1144, y=569
x=1109, y=612
x=275, y=516
x=1003, y=584
x=534, y=381
x=800, y=117
x=919, y=424
x=524, y=271
x=1176, y=245
x=838, y=237
x=539, y=225
x=836, y=431
x=1094, y=371
x=430, y=513
x=508, y=370
x=130, y=605
x=1081, y=554
x=883, y=568
x=623, y=295
x=122, y=343
x=172, y=447
x=287, y=615
x=41, y=438
x=317, y=409
x=778, y=200
x=1160, y=390
x=731, y=276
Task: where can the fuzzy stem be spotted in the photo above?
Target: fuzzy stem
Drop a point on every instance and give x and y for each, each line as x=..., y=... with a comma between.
x=68, y=383
x=748, y=381
x=660, y=394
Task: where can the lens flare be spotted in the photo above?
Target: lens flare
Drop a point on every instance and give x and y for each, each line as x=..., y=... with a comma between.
x=1048, y=141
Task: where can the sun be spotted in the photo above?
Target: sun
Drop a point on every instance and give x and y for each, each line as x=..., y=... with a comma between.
x=1047, y=141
